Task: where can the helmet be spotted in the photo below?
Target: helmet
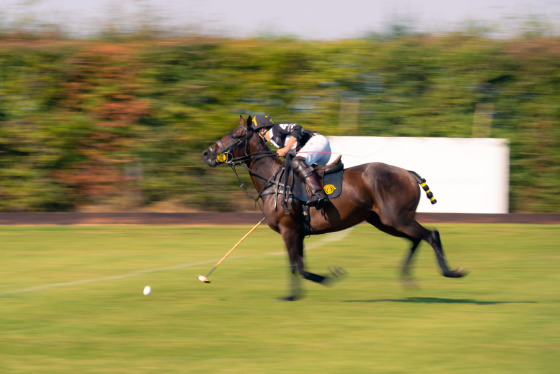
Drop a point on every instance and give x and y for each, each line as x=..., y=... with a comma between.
x=261, y=121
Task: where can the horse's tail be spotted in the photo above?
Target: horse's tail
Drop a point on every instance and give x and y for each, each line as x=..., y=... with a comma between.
x=422, y=182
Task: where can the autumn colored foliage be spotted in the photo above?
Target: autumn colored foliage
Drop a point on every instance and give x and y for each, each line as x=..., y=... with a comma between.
x=122, y=125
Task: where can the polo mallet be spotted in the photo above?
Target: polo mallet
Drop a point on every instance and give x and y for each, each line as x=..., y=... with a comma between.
x=205, y=279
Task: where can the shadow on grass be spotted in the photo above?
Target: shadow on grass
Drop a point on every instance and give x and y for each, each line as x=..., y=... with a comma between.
x=438, y=300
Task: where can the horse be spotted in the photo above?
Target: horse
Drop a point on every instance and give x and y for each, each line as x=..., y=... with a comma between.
x=382, y=195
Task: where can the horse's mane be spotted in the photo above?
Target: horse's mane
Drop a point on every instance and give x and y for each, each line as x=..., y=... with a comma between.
x=261, y=143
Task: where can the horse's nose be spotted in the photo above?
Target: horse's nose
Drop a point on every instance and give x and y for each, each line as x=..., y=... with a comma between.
x=209, y=157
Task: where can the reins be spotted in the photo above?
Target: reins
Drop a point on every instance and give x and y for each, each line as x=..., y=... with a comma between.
x=226, y=157
x=244, y=188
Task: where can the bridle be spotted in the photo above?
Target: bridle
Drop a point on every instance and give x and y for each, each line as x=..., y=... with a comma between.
x=226, y=157
x=226, y=153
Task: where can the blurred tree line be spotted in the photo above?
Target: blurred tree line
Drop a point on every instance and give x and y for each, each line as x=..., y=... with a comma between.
x=121, y=125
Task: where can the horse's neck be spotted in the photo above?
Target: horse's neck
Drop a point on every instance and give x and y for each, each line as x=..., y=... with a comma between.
x=263, y=169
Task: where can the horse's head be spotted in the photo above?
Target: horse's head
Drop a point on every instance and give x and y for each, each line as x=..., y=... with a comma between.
x=233, y=145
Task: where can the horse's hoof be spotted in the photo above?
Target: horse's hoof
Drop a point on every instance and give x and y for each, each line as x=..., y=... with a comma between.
x=409, y=282
x=289, y=298
x=457, y=273
x=337, y=272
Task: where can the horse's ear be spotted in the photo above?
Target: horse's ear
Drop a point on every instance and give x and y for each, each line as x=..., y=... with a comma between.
x=249, y=121
x=242, y=121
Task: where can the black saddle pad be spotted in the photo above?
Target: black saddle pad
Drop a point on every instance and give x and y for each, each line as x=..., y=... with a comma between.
x=332, y=184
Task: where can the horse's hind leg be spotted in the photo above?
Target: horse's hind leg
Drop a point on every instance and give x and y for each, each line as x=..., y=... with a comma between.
x=405, y=272
x=374, y=220
x=435, y=242
x=415, y=232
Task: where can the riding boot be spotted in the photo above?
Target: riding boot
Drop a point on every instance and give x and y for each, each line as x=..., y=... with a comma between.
x=318, y=197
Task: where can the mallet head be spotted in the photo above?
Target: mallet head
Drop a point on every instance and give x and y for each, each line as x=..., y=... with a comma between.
x=202, y=278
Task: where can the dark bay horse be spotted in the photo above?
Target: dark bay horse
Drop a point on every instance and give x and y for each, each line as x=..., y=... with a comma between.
x=383, y=195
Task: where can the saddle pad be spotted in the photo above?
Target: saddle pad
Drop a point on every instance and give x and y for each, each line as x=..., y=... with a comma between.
x=332, y=184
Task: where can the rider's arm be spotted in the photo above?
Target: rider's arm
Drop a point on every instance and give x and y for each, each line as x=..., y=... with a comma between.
x=289, y=144
x=297, y=132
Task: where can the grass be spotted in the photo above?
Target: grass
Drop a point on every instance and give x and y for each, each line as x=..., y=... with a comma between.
x=71, y=302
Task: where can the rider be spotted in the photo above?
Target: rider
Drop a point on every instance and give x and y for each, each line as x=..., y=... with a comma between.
x=311, y=147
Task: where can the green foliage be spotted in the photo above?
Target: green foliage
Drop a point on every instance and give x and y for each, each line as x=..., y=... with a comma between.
x=72, y=302
x=124, y=124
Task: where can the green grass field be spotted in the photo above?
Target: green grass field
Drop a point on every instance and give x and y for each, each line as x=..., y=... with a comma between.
x=71, y=302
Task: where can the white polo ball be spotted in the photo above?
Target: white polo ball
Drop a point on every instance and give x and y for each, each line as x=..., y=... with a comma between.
x=147, y=290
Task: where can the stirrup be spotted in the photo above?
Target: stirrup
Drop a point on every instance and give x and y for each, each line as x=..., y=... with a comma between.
x=317, y=201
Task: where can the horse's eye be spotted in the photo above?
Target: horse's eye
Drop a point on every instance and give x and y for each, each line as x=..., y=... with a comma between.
x=237, y=136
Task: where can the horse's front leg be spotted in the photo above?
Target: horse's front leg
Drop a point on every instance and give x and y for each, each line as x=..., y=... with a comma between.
x=293, y=239
x=301, y=267
x=294, y=246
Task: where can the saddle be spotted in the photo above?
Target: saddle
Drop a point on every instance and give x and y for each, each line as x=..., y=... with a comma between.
x=290, y=186
x=331, y=177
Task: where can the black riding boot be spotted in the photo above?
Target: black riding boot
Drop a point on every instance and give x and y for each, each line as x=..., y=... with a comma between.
x=318, y=197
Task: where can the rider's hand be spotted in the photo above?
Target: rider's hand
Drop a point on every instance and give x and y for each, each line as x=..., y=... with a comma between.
x=282, y=151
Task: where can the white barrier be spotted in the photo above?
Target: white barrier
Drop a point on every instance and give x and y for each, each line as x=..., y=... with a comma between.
x=469, y=175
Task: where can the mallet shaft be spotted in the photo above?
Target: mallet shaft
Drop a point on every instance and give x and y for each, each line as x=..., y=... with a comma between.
x=239, y=242
x=205, y=279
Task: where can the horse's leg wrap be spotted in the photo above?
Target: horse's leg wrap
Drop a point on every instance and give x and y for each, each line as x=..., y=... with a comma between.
x=315, y=278
x=312, y=180
x=440, y=255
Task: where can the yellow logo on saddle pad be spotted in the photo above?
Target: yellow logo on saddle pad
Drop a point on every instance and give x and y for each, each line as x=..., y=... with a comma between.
x=329, y=189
